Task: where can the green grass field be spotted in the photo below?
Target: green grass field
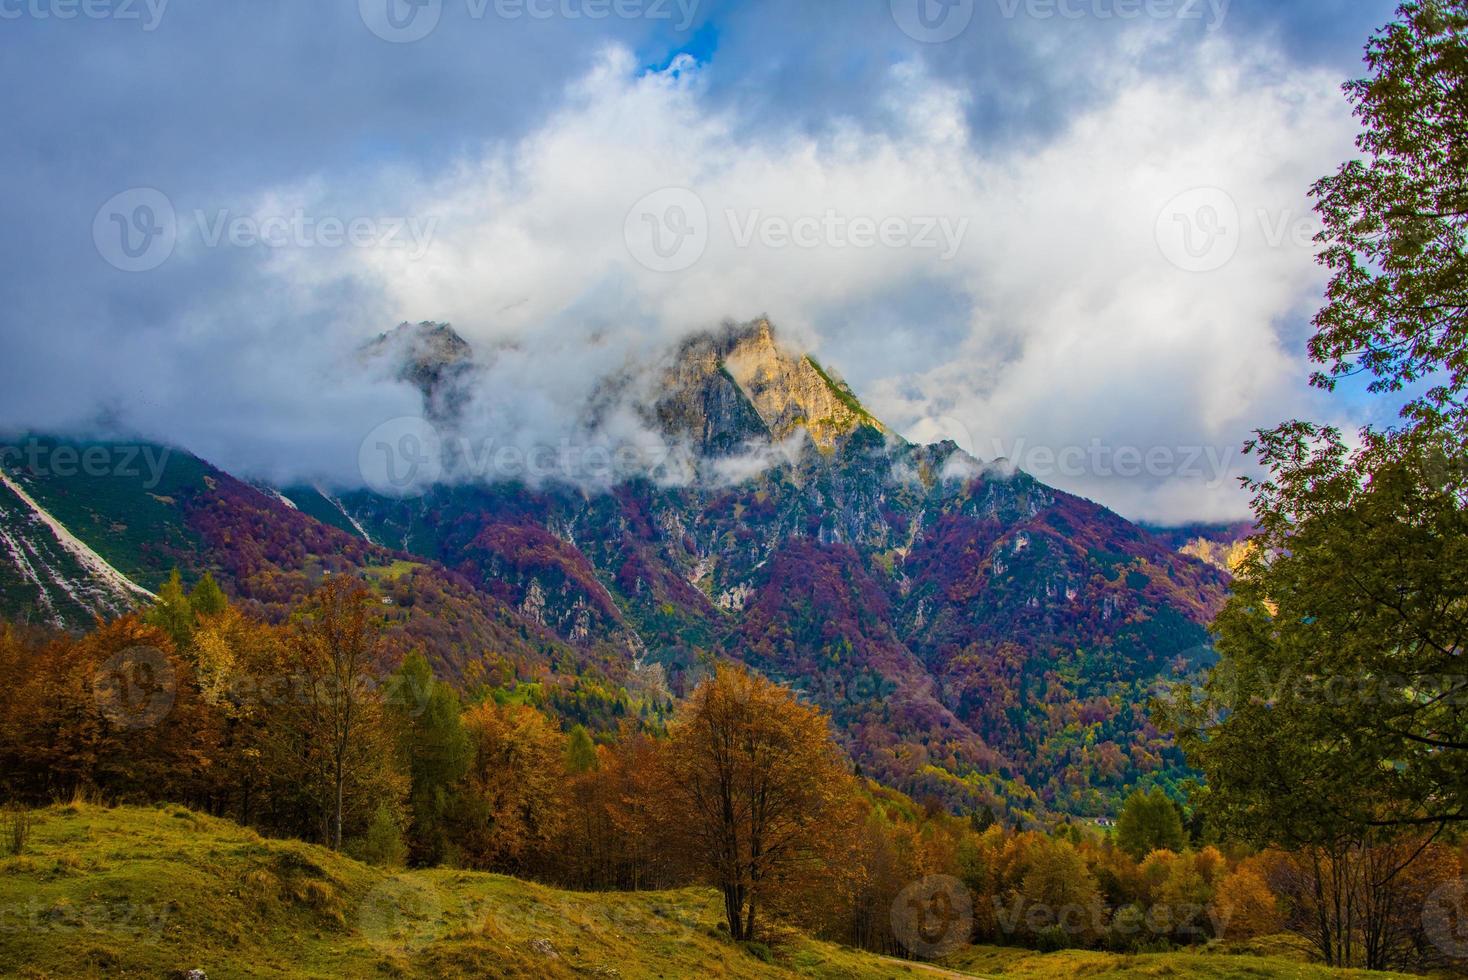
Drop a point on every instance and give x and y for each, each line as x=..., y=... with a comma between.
x=1026, y=965
x=155, y=892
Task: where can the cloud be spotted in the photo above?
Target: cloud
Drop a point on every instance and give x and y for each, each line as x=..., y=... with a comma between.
x=1027, y=287
x=1080, y=319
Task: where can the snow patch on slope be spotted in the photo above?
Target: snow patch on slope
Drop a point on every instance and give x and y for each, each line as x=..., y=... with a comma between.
x=343, y=511
x=95, y=565
x=272, y=492
x=17, y=552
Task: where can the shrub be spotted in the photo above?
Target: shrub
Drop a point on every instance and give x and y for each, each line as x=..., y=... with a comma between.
x=1052, y=939
x=382, y=843
x=759, y=951
x=15, y=828
x=1128, y=929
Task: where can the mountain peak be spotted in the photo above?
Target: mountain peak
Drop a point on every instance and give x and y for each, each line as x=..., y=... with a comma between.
x=429, y=356
x=721, y=389
x=740, y=382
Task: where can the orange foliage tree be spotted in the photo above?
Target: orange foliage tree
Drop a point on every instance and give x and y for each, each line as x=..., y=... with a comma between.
x=515, y=790
x=761, y=792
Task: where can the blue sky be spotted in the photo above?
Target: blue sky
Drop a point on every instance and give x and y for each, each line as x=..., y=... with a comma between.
x=1040, y=172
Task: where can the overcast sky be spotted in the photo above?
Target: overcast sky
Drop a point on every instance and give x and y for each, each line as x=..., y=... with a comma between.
x=1073, y=233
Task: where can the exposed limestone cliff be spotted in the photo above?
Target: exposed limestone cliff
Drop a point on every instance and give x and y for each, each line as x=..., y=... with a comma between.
x=791, y=391
x=723, y=389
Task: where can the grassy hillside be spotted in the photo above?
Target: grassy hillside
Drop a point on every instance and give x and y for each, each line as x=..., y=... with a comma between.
x=155, y=892
x=147, y=892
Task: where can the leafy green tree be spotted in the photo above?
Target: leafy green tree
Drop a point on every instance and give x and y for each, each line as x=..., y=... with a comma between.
x=207, y=598
x=1335, y=720
x=1149, y=822
x=1396, y=221
x=436, y=748
x=1339, y=699
x=382, y=842
x=172, y=613
x=1061, y=894
x=580, y=751
x=1339, y=703
x=981, y=820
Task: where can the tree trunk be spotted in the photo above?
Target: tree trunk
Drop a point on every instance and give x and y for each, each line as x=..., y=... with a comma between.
x=338, y=809
x=732, y=909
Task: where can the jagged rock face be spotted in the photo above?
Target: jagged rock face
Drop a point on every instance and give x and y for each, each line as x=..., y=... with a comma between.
x=789, y=391
x=726, y=388
x=703, y=404
x=721, y=391
x=433, y=358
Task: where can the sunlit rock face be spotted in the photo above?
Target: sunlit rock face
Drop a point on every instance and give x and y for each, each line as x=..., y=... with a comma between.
x=723, y=389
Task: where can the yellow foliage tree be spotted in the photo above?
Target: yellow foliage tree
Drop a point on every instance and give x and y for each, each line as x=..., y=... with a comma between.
x=1244, y=907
